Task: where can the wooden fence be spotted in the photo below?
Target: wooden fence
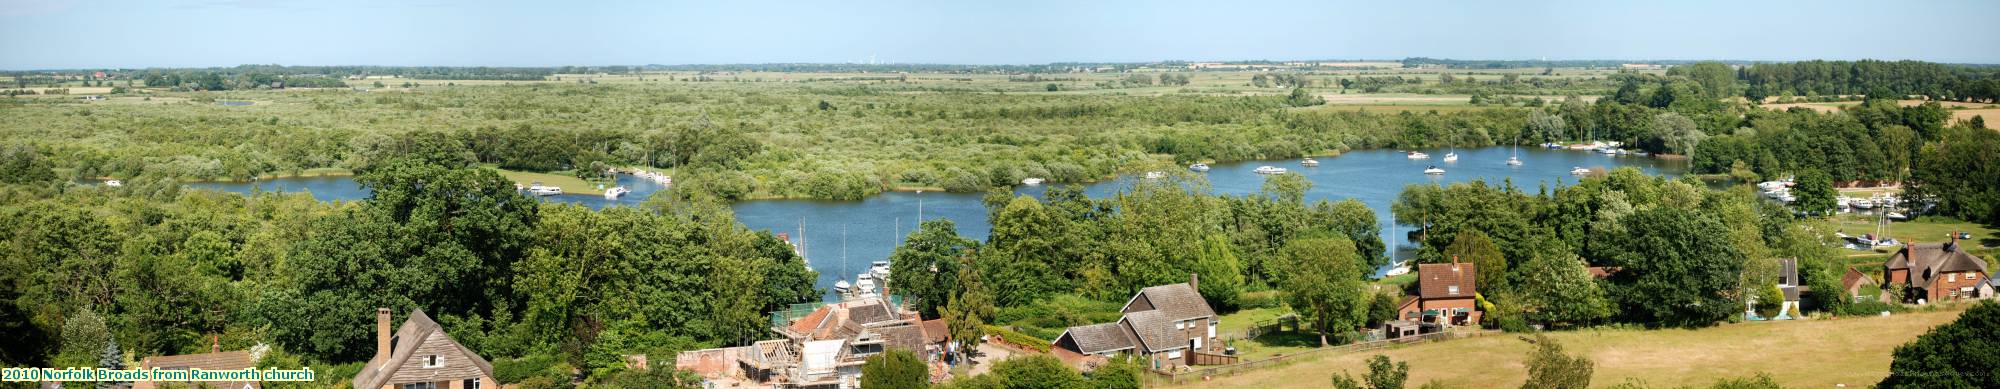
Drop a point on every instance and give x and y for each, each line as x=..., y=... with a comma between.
x=1162, y=378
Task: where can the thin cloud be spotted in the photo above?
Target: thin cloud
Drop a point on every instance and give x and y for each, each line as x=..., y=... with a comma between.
x=23, y=8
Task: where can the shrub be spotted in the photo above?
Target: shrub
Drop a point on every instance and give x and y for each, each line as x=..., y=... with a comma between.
x=520, y=370
x=1261, y=299
x=1869, y=308
x=1017, y=338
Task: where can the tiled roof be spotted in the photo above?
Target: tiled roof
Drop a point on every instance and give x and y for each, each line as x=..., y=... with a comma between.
x=936, y=331
x=1155, y=331
x=904, y=337
x=1177, y=301
x=1098, y=338
x=1434, y=280
x=227, y=360
x=412, y=334
x=1929, y=261
x=871, y=313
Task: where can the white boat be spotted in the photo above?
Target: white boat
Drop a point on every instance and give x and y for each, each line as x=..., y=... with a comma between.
x=1513, y=161
x=1862, y=204
x=1552, y=145
x=1269, y=170
x=1433, y=170
x=615, y=192
x=544, y=190
x=1397, y=271
x=1155, y=175
x=1579, y=170
x=865, y=287
x=1309, y=162
x=880, y=269
x=1607, y=151
x=1031, y=181
x=842, y=287
x=1418, y=155
x=114, y=183
x=1451, y=157
x=1897, y=216
x=1198, y=167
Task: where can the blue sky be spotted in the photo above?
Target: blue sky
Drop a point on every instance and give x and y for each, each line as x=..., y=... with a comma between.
x=39, y=34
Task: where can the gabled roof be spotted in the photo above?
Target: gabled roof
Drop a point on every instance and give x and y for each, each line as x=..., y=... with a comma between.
x=1154, y=330
x=1174, y=301
x=1099, y=338
x=935, y=331
x=871, y=313
x=1434, y=280
x=411, y=336
x=908, y=337
x=227, y=360
x=1929, y=261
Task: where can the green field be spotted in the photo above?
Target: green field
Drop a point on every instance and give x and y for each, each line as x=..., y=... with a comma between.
x=570, y=184
x=1816, y=353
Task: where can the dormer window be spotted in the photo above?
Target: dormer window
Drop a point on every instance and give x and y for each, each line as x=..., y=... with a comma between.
x=1452, y=289
x=432, y=361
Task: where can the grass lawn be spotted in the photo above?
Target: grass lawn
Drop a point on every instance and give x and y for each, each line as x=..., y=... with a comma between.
x=569, y=183
x=1274, y=344
x=1815, y=353
x=1239, y=322
x=1927, y=229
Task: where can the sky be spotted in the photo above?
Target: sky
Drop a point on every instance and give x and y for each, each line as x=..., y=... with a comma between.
x=67, y=34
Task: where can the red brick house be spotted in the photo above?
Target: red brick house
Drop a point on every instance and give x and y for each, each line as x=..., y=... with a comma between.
x=1935, y=272
x=1162, y=325
x=419, y=355
x=1445, y=295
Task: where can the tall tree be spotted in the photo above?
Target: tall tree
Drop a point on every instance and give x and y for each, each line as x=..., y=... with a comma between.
x=1556, y=288
x=1814, y=192
x=1325, y=285
x=1474, y=247
x=924, y=268
x=1677, y=268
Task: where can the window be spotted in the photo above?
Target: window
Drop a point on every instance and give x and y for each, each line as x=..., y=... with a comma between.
x=1211, y=329
x=1953, y=277
x=1452, y=289
x=1197, y=342
x=420, y=385
x=1180, y=325
x=1176, y=354
x=471, y=384
x=432, y=360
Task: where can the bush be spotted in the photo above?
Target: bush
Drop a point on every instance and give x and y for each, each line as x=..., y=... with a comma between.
x=520, y=370
x=1261, y=299
x=1515, y=324
x=1017, y=338
x=1869, y=308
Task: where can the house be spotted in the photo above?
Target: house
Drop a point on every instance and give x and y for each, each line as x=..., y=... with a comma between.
x=1162, y=325
x=1854, y=280
x=1789, y=286
x=824, y=347
x=1445, y=295
x=1932, y=272
x=419, y=355
x=214, y=360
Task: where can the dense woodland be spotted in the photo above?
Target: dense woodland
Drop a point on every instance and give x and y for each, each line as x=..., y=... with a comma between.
x=151, y=269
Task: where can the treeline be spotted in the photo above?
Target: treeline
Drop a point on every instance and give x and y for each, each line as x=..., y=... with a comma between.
x=1513, y=64
x=1683, y=255
x=153, y=270
x=1876, y=79
x=215, y=81
x=1874, y=141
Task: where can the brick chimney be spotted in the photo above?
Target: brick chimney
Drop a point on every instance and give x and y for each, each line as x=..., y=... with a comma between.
x=214, y=343
x=1454, y=263
x=382, y=334
x=1194, y=281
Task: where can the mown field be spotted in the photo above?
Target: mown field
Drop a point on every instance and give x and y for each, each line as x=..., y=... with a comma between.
x=1960, y=111
x=1818, y=353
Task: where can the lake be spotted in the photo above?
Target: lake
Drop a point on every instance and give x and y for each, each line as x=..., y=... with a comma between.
x=841, y=238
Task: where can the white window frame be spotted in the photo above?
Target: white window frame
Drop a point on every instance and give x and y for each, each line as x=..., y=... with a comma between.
x=475, y=383
x=1211, y=328
x=1174, y=354
x=1951, y=277
x=433, y=361
x=1180, y=325
x=1197, y=342
x=1452, y=289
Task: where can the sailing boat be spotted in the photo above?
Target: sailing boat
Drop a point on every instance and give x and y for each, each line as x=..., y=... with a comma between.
x=1451, y=156
x=1515, y=158
x=841, y=287
x=1398, y=268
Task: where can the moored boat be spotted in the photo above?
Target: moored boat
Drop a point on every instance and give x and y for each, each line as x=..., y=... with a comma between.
x=1031, y=181
x=1451, y=157
x=1418, y=155
x=1198, y=167
x=1269, y=170
x=1309, y=162
x=544, y=190
x=615, y=192
x=1579, y=170
x=1434, y=170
